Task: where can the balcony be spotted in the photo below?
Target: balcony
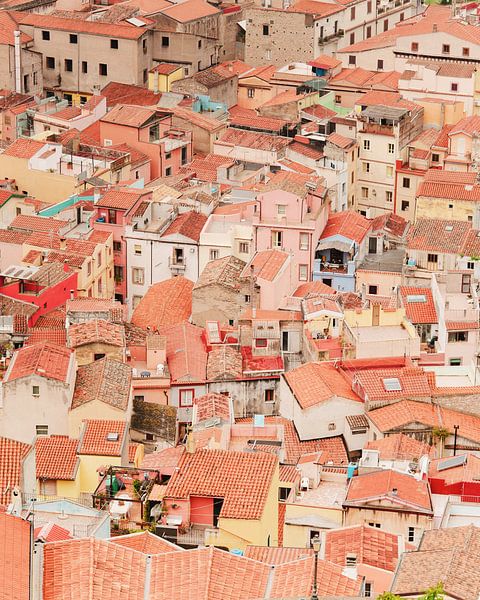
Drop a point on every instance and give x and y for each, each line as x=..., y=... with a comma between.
x=177, y=267
x=332, y=36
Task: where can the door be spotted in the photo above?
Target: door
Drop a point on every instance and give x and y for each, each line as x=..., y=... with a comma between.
x=285, y=341
x=372, y=245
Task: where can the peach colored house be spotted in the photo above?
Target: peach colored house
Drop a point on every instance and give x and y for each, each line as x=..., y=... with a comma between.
x=151, y=132
x=272, y=275
x=255, y=88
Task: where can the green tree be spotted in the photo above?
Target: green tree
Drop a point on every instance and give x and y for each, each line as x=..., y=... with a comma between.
x=440, y=434
x=388, y=596
x=434, y=593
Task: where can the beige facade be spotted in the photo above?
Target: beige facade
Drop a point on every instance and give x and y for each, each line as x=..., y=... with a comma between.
x=87, y=353
x=31, y=78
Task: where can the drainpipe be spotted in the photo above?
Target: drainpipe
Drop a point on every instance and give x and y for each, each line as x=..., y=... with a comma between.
x=18, y=79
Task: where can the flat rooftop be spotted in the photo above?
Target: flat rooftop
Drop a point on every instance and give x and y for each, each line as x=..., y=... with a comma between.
x=391, y=261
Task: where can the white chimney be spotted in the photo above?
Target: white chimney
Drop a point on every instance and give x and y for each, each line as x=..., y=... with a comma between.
x=18, y=66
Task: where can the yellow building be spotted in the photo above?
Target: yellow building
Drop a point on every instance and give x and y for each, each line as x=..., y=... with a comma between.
x=231, y=496
x=57, y=467
x=161, y=77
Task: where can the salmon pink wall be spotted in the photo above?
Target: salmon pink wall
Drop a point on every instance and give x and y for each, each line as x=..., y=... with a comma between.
x=201, y=510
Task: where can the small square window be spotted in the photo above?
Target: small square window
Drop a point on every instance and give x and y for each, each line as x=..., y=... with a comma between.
x=84, y=66
x=114, y=44
x=352, y=60
x=137, y=249
x=214, y=254
x=373, y=289
x=103, y=69
x=454, y=87
x=406, y=182
x=50, y=62
x=243, y=248
x=36, y=390
x=269, y=396
x=445, y=48
x=250, y=93
x=405, y=204
x=465, y=51
x=435, y=158
x=260, y=343
x=414, y=47
x=281, y=209
x=165, y=41
x=73, y=38
x=45, y=35
x=41, y=429
x=68, y=64
x=246, y=298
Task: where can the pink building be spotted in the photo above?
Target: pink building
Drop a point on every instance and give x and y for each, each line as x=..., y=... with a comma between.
x=150, y=132
x=114, y=211
x=293, y=224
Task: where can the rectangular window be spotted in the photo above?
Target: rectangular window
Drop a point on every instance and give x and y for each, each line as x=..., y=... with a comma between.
x=260, y=342
x=250, y=93
x=465, y=51
x=50, y=62
x=364, y=192
x=266, y=29
x=366, y=144
x=117, y=246
x=178, y=257
x=391, y=148
x=373, y=289
x=137, y=248
x=186, y=397
x=281, y=209
x=269, y=396
x=214, y=254
x=304, y=241
x=135, y=302
x=445, y=48
x=338, y=99
x=432, y=258
x=352, y=38
x=103, y=69
x=48, y=487
x=455, y=362
x=114, y=44
x=454, y=87
x=118, y=273
x=405, y=204
x=36, y=390
x=247, y=298
x=84, y=66
x=369, y=32
x=435, y=158
x=68, y=64
x=411, y=534
x=41, y=429
x=406, y=182
x=466, y=283
x=243, y=248
x=369, y=6
x=138, y=275
x=366, y=167
x=385, y=25
x=389, y=196
x=458, y=336
x=389, y=171
x=368, y=589
x=414, y=46
x=277, y=239
x=352, y=60
x=303, y=272
x=352, y=13
x=380, y=64
x=470, y=265
x=165, y=41
x=45, y=35
x=73, y=38
x=154, y=133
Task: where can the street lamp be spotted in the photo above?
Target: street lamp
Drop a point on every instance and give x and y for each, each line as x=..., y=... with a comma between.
x=316, y=550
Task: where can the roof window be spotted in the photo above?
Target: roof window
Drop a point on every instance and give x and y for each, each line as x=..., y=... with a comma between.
x=392, y=384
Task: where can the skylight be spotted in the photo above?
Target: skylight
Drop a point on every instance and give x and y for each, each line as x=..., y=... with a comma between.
x=416, y=298
x=448, y=227
x=112, y=437
x=392, y=384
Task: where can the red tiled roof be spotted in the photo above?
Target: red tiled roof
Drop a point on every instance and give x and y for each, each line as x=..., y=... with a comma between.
x=164, y=460
x=437, y=235
x=104, y=380
x=306, y=150
x=348, y=224
x=188, y=224
x=132, y=451
x=242, y=479
x=190, y=10
x=165, y=68
x=461, y=325
x=250, y=139
x=124, y=93
x=313, y=287
x=289, y=474
x=451, y=185
x=212, y=405
x=197, y=119
x=24, y=148
x=400, y=447
x=12, y=454
x=390, y=223
x=186, y=352
x=123, y=199
x=44, y=360
x=267, y=264
x=38, y=335
x=413, y=382
x=145, y=542
x=341, y=141
x=36, y=223
x=255, y=365
x=56, y=457
x=96, y=331
x=94, y=438
x=51, y=532
x=14, y=557
x=168, y=302
x=276, y=556
x=13, y=237
x=325, y=61
x=243, y=117
x=313, y=7
x=380, y=485
x=372, y=546
x=313, y=383
x=469, y=471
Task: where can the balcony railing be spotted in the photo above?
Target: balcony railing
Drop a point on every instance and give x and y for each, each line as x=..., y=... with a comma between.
x=177, y=266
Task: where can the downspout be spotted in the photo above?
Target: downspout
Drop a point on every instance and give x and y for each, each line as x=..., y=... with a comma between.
x=17, y=62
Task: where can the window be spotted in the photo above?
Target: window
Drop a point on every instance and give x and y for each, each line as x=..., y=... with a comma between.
x=368, y=589
x=136, y=301
x=391, y=148
x=366, y=167
x=389, y=171
x=304, y=241
x=50, y=62
x=436, y=158
x=36, y=390
x=458, y=336
x=118, y=273
x=269, y=396
x=83, y=99
x=455, y=362
x=372, y=524
x=352, y=13
x=366, y=144
x=338, y=99
x=454, y=87
x=145, y=75
x=411, y=534
x=414, y=47
x=117, y=246
x=68, y=97
x=369, y=6
x=149, y=437
x=137, y=248
x=48, y=487
x=266, y=29
x=470, y=265
x=405, y=204
x=138, y=275
x=385, y=25
x=250, y=93
x=68, y=64
x=243, y=247
x=165, y=41
x=41, y=429
x=247, y=298
x=260, y=342
x=402, y=17
x=352, y=38
x=277, y=239
x=281, y=209
x=73, y=38
x=331, y=427
x=186, y=397
x=364, y=192
x=84, y=66
x=303, y=272
x=178, y=257
x=432, y=258
x=389, y=196
x=168, y=155
x=283, y=493
x=214, y=254
x=98, y=356
x=466, y=283
x=45, y=35
x=379, y=64
x=102, y=69
x=368, y=33
x=445, y=48
x=199, y=44
x=465, y=51
x=373, y=289
x=114, y=44
x=144, y=45
x=168, y=171
x=154, y=133
x=406, y=182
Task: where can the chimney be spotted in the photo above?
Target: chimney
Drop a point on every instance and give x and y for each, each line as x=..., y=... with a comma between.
x=435, y=28
x=17, y=62
x=350, y=568
x=190, y=446
x=394, y=491
x=156, y=351
x=66, y=268
x=63, y=243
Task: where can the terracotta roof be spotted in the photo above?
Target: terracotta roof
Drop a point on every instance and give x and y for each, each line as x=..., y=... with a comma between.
x=168, y=302
x=313, y=287
x=276, y=556
x=400, y=447
x=306, y=150
x=223, y=271
x=24, y=148
x=372, y=489
x=438, y=235
x=325, y=61
x=264, y=72
x=56, y=457
x=372, y=546
x=289, y=474
x=91, y=304
x=314, y=383
x=163, y=460
x=318, y=111
x=390, y=223
x=123, y=199
x=186, y=353
x=243, y=117
x=165, y=68
x=206, y=169
x=411, y=382
x=224, y=363
x=129, y=116
x=267, y=264
x=96, y=331
x=104, y=380
x=124, y=93
x=197, y=119
x=38, y=335
x=13, y=237
x=44, y=360
x=213, y=405
x=190, y=10
x=451, y=185
x=347, y=224
x=461, y=325
x=242, y=479
x=188, y=224
x=93, y=439
x=51, y=532
x=287, y=96
x=14, y=557
x=36, y=223
x=256, y=141
x=145, y=542
x=468, y=471
x=315, y=8
x=12, y=454
x=213, y=76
